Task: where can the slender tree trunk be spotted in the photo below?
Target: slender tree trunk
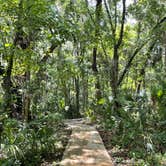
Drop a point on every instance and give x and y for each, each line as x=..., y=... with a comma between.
x=165, y=59
x=66, y=91
x=24, y=43
x=7, y=86
x=27, y=98
x=165, y=51
x=114, y=80
x=95, y=70
x=77, y=89
x=41, y=75
x=7, y=81
x=115, y=60
x=95, y=49
x=142, y=71
x=85, y=92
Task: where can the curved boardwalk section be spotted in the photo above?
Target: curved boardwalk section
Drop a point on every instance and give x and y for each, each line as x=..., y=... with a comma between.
x=85, y=147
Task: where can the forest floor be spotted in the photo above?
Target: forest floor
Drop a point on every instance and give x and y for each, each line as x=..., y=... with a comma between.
x=119, y=156
x=54, y=159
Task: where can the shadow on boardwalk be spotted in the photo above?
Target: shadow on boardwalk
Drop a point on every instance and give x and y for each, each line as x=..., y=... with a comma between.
x=85, y=147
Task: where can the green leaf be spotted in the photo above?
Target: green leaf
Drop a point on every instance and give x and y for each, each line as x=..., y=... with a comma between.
x=159, y=93
x=8, y=44
x=101, y=101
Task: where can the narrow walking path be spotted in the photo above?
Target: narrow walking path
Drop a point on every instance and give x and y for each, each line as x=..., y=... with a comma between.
x=85, y=147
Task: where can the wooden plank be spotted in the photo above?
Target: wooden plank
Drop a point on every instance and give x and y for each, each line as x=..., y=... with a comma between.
x=85, y=147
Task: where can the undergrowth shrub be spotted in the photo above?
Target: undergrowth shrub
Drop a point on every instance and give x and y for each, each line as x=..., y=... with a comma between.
x=27, y=143
x=139, y=128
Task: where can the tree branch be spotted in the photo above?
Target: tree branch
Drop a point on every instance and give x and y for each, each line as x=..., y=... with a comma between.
x=89, y=12
x=159, y=23
x=101, y=41
x=51, y=49
x=109, y=16
x=122, y=25
x=128, y=65
x=115, y=12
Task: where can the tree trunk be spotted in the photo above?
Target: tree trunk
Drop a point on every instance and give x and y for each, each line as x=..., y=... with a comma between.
x=7, y=86
x=142, y=71
x=94, y=62
x=165, y=51
x=66, y=93
x=95, y=70
x=77, y=89
x=27, y=98
x=85, y=91
x=165, y=58
x=41, y=75
x=115, y=61
x=114, y=79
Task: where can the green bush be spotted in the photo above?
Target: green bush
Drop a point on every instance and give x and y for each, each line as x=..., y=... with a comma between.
x=27, y=143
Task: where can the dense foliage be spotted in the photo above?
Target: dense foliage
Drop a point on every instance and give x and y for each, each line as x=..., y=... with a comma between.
x=100, y=59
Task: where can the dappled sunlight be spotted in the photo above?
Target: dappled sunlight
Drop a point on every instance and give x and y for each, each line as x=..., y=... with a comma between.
x=85, y=147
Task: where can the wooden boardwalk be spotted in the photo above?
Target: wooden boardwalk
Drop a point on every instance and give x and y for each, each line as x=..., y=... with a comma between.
x=85, y=147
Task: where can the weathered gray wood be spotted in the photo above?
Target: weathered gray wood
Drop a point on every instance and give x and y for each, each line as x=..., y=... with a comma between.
x=85, y=147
